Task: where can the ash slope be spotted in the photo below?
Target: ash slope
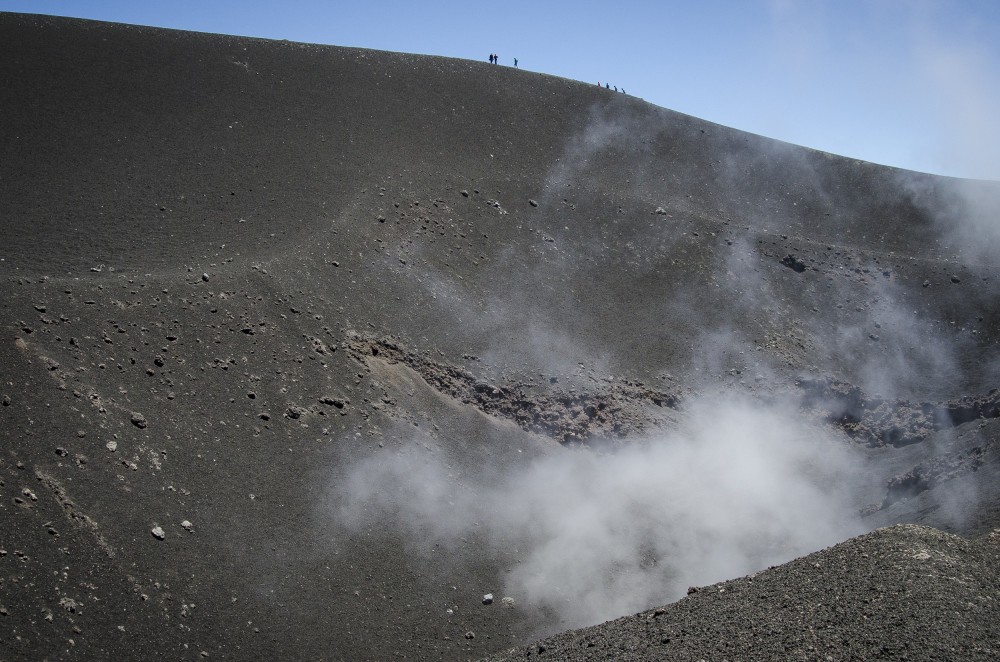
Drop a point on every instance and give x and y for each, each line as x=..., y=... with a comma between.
x=897, y=593
x=233, y=268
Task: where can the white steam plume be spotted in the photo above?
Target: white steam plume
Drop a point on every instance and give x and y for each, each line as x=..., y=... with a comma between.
x=594, y=536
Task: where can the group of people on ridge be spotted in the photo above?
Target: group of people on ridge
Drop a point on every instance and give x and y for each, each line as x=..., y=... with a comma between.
x=495, y=59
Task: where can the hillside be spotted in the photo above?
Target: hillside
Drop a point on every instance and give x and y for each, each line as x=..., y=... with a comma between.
x=308, y=349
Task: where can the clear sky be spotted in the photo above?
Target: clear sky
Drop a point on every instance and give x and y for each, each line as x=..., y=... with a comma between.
x=909, y=83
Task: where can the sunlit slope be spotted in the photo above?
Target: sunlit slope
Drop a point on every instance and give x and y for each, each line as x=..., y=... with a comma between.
x=182, y=134
x=151, y=150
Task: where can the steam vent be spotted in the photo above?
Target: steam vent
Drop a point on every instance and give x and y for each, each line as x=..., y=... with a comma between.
x=313, y=352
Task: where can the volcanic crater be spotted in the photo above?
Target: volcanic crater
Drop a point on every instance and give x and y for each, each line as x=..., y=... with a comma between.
x=312, y=351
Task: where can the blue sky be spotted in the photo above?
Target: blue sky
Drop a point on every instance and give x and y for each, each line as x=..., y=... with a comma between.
x=909, y=83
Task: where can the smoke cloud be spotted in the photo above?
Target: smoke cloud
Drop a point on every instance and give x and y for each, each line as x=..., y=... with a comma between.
x=593, y=535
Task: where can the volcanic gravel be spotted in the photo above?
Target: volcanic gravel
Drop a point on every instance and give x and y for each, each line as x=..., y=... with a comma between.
x=233, y=269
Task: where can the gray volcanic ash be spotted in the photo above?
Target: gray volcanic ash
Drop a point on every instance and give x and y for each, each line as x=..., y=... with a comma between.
x=308, y=349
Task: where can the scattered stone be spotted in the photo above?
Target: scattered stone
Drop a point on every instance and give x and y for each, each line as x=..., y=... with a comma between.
x=61, y=452
x=507, y=602
x=661, y=211
x=533, y=203
x=187, y=526
x=794, y=263
x=488, y=599
x=926, y=283
x=955, y=279
x=138, y=420
x=339, y=403
x=692, y=589
x=464, y=193
x=158, y=533
x=321, y=347
x=204, y=278
x=470, y=635
x=6, y=401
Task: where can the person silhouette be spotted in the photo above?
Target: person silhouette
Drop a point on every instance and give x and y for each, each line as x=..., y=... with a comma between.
x=607, y=86
x=515, y=62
